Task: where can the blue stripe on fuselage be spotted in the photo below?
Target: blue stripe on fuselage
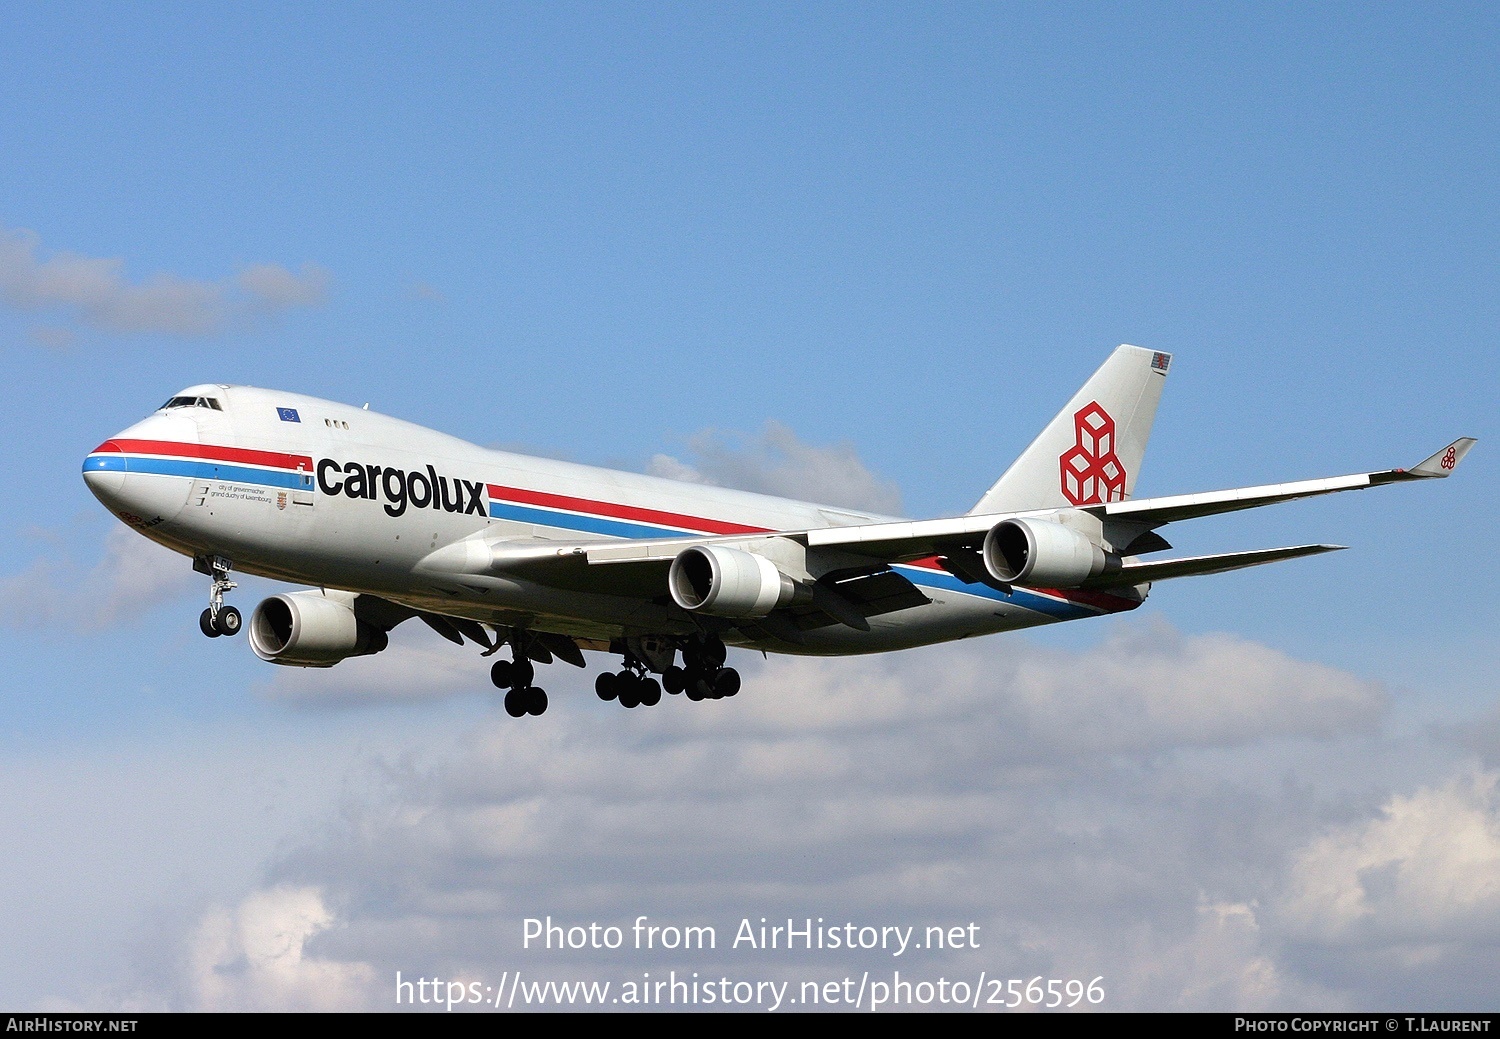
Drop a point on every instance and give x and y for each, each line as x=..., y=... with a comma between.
x=1027, y=600
x=197, y=469
x=591, y=524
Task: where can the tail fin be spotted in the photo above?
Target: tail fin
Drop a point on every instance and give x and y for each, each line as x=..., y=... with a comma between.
x=1092, y=451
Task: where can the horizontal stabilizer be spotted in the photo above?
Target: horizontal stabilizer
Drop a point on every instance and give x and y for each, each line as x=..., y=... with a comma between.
x=1195, y=566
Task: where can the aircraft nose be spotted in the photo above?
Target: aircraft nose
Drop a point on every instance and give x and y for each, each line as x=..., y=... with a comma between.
x=134, y=492
x=104, y=471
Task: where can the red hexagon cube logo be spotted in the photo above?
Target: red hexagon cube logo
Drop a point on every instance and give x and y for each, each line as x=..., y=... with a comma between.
x=1091, y=471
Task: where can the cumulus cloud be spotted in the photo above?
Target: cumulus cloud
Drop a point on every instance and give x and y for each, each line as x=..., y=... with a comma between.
x=776, y=462
x=1057, y=800
x=273, y=287
x=1424, y=872
x=1409, y=894
x=1145, y=688
x=255, y=957
x=1479, y=736
x=134, y=575
x=94, y=292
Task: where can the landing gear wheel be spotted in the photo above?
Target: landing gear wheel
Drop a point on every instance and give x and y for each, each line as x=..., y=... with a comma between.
x=218, y=619
x=674, y=680
x=521, y=672
x=726, y=682
x=699, y=688
x=714, y=653
x=650, y=692
x=605, y=685
x=228, y=622
x=628, y=689
x=500, y=674
x=515, y=703
x=536, y=701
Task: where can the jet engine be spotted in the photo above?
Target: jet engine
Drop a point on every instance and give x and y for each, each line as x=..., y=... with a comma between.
x=311, y=629
x=1039, y=553
x=728, y=582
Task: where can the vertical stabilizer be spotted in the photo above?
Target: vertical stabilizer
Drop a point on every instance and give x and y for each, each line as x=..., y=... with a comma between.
x=1092, y=451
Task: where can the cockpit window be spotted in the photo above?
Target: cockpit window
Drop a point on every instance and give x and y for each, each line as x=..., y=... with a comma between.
x=191, y=402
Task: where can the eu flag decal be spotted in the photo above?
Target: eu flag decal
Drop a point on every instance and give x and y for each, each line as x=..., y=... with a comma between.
x=288, y=414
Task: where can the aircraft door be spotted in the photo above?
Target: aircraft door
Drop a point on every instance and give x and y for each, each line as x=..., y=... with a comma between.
x=302, y=494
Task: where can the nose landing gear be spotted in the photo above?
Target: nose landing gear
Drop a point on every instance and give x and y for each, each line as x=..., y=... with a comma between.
x=218, y=619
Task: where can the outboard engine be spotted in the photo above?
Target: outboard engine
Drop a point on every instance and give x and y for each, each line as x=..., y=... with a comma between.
x=1043, y=554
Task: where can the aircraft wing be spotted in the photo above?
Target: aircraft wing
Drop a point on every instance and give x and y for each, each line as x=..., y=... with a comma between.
x=914, y=540
x=1188, y=506
x=638, y=567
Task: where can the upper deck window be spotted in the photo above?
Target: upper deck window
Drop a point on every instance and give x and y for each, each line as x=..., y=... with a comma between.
x=191, y=402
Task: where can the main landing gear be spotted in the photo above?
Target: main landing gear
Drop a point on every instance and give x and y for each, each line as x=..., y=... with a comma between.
x=515, y=676
x=218, y=619
x=631, y=685
x=703, y=677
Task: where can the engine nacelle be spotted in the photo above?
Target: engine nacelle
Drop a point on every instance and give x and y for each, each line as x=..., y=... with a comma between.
x=1039, y=553
x=728, y=582
x=310, y=629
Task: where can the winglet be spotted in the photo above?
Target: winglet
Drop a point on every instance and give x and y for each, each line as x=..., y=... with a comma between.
x=1446, y=460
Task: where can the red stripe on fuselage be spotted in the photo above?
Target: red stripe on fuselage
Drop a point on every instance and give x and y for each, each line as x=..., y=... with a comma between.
x=212, y=452
x=1098, y=600
x=624, y=512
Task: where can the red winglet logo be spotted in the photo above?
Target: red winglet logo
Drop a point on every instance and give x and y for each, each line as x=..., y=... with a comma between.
x=1091, y=472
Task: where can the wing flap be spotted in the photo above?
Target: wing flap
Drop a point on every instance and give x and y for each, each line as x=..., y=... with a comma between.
x=1196, y=566
x=884, y=592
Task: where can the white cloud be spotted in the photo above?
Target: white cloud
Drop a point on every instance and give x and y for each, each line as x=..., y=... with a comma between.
x=255, y=957
x=1217, y=958
x=776, y=462
x=94, y=292
x=274, y=287
x=1425, y=872
x=1144, y=688
x=134, y=575
x=1049, y=797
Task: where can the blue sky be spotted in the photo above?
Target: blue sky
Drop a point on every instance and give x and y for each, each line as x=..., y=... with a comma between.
x=614, y=232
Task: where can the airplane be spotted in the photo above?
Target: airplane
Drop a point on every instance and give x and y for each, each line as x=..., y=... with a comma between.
x=387, y=521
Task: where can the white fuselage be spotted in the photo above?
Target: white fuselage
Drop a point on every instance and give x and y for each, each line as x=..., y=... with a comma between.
x=319, y=493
